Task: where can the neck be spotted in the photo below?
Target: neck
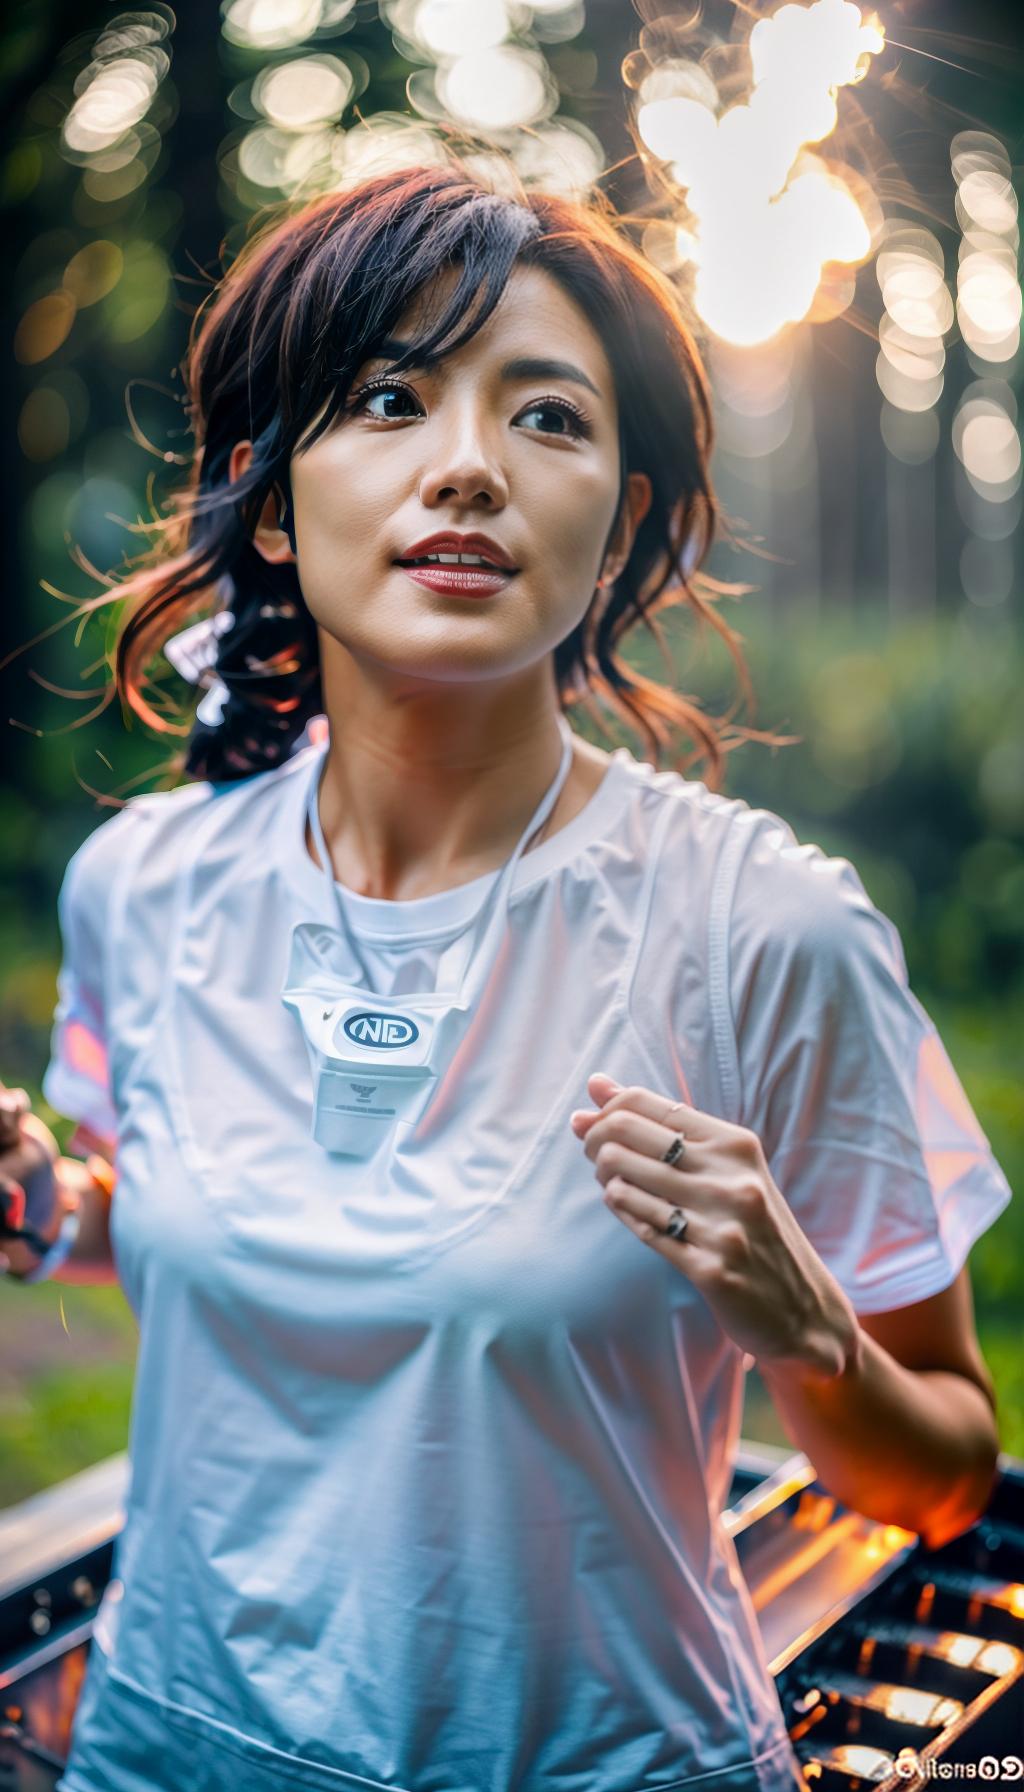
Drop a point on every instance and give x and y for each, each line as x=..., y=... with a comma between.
x=425, y=789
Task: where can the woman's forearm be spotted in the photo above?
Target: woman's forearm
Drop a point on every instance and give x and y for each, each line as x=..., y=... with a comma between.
x=911, y=1447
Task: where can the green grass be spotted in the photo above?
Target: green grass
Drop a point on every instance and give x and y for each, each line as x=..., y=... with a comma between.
x=1004, y=1354
x=65, y=1394
x=67, y=1420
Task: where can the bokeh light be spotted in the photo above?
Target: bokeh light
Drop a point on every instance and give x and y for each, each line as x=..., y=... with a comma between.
x=473, y=64
x=271, y=24
x=282, y=161
x=563, y=156
x=988, y=291
x=93, y=271
x=985, y=439
x=985, y=435
x=766, y=214
x=497, y=89
x=44, y=326
x=457, y=27
x=303, y=93
x=385, y=142
x=917, y=317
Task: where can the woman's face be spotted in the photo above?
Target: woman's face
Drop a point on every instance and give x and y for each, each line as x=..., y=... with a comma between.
x=488, y=440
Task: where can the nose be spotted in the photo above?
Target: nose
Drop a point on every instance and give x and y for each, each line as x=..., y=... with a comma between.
x=462, y=464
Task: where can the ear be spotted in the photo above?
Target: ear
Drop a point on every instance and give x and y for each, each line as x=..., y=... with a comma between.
x=268, y=538
x=636, y=504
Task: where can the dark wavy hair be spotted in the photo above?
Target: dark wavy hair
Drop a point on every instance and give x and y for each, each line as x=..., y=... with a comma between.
x=272, y=354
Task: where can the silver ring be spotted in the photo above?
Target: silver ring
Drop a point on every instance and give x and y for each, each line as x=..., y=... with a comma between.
x=675, y=1150
x=677, y=1223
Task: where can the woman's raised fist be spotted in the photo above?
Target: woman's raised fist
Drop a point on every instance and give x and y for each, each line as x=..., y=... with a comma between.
x=29, y=1191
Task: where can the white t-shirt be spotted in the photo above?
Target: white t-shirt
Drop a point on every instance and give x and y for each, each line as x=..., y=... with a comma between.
x=428, y=1453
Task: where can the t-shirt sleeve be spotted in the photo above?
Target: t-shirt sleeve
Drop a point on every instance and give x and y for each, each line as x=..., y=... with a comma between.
x=76, y=1080
x=865, y=1125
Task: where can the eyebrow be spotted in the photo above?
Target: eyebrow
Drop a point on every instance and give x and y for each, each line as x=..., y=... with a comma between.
x=523, y=367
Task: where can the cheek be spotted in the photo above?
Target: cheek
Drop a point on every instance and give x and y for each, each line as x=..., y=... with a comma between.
x=346, y=530
x=344, y=501
x=568, y=513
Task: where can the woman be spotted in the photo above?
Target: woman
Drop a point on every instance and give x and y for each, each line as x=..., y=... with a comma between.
x=484, y=1103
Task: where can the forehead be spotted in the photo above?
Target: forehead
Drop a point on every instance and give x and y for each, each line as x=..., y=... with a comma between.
x=534, y=313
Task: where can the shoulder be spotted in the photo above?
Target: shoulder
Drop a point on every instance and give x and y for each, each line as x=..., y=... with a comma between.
x=800, y=920
x=790, y=885
x=769, y=887
x=770, y=902
x=146, y=839
x=696, y=824
x=779, y=911
x=140, y=827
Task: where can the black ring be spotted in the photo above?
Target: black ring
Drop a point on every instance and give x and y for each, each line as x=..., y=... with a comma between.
x=675, y=1150
x=677, y=1223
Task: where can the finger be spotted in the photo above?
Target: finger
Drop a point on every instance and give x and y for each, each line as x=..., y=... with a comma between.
x=35, y=1130
x=658, y=1133
x=610, y=1095
x=625, y=1127
x=647, y=1217
x=582, y=1119
x=661, y=1181
x=10, y=1134
x=601, y=1088
x=676, y=1115
x=14, y=1104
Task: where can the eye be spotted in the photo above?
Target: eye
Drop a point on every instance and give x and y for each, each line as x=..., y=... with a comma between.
x=379, y=389
x=576, y=422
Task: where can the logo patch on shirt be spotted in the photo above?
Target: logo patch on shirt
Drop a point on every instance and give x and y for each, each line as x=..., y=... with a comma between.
x=384, y=1032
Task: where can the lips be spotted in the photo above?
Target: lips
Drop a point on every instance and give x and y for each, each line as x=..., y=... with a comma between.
x=448, y=541
x=458, y=580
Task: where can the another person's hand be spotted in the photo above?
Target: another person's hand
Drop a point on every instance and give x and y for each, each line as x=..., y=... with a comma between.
x=28, y=1153
x=742, y=1246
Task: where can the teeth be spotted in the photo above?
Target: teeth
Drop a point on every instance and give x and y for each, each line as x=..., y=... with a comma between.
x=452, y=560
